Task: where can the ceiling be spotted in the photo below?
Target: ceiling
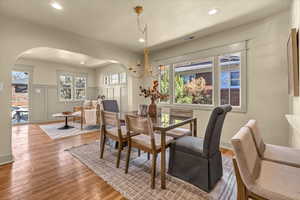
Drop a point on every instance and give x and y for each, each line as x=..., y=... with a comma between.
x=64, y=57
x=114, y=20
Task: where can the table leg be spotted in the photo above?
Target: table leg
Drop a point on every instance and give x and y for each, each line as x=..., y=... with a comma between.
x=195, y=128
x=163, y=160
x=66, y=121
x=66, y=125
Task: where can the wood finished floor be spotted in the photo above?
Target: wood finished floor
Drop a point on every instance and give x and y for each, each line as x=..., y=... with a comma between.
x=43, y=170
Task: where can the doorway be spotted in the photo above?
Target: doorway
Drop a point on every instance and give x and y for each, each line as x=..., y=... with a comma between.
x=20, y=97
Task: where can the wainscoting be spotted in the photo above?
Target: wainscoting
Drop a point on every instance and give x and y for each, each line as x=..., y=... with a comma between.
x=45, y=102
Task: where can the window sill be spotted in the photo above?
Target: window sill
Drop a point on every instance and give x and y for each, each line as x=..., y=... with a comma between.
x=199, y=107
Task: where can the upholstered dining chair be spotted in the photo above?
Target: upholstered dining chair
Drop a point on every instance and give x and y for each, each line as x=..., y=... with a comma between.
x=141, y=136
x=110, y=106
x=275, y=153
x=261, y=179
x=111, y=128
x=199, y=161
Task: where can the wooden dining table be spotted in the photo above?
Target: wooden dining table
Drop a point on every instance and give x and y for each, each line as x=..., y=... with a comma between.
x=162, y=123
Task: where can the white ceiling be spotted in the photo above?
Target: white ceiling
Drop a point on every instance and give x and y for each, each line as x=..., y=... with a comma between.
x=64, y=57
x=114, y=20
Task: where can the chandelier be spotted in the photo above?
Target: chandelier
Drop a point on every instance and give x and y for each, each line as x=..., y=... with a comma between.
x=144, y=31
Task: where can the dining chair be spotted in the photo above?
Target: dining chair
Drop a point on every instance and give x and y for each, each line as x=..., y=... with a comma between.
x=110, y=106
x=199, y=160
x=141, y=136
x=112, y=129
x=180, y=131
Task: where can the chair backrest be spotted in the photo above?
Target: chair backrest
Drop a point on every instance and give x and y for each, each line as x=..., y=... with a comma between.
x=110, y=105
x=213, y=130
x=181, y=112
x=110, y=119
x=246, y=156
x=260, y=145
x=140, y=125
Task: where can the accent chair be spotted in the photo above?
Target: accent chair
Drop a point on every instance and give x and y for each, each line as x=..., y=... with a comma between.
x=275, y=153
x=199, y=161
x=262, y=179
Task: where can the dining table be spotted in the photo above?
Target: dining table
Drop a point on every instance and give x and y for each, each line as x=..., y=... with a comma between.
x=162, y=123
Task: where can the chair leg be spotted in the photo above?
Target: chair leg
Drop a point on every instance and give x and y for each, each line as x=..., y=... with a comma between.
x=120, y=147
x=148, y=156
x=128, y=156
x=102, y=144
x=153, y=170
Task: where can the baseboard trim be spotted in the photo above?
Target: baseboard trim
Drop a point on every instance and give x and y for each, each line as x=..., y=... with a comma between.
x=6, y=159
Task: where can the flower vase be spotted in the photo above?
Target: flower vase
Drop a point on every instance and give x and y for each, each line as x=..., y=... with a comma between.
x=152, y=109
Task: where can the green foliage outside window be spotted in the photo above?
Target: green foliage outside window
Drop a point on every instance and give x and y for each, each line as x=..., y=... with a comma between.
x=164, y=83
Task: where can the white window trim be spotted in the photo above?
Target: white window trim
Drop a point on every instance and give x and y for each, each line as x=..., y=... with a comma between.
x=108, y=76
x=74, y=75
x=85, y=88
x=204, y=54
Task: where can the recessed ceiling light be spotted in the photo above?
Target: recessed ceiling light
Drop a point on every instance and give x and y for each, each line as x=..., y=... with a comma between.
x=141, y=40
x=56, y=5
x=82, y=63
x=213, y=11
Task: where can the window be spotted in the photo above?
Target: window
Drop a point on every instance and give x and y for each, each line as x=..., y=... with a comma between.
x=72, y=87
x=114, y=79
x=164, y=81
x=106, y=80
x=66, y=88
x=123, y=78
x=217, y=78
x=194, y=82
x=230, y=79
x=80, y=88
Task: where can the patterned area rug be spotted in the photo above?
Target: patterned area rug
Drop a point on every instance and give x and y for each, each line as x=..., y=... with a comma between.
x=136, y=184
x=54, y=133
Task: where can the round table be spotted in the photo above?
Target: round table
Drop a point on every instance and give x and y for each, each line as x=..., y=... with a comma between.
x=66, y=126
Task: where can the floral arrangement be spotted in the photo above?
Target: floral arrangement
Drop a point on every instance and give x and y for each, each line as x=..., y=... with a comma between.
x=152, y=92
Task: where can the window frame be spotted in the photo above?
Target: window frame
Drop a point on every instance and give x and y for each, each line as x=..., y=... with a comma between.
x=74, y=75
x=214, y=53
x=76, y=88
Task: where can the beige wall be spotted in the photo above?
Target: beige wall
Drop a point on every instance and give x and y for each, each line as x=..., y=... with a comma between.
x=17, y=36
x=45, y=73
x=267, y=92
x=295, y=101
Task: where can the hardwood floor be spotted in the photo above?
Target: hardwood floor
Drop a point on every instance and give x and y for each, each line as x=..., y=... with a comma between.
x=43, y=170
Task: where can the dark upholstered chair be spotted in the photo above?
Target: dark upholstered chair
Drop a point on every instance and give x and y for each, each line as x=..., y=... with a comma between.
x=110, y=106
x=199, y=161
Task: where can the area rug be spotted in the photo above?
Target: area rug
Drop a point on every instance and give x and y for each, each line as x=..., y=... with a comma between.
x=136, y=184
x=54, y=133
